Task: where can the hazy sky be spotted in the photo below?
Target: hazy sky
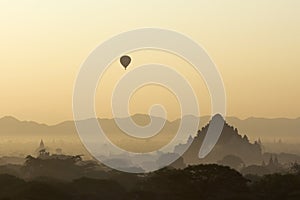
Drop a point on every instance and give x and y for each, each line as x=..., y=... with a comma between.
x=255, y=44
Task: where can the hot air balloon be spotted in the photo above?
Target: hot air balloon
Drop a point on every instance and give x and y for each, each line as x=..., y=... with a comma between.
x=125, y=61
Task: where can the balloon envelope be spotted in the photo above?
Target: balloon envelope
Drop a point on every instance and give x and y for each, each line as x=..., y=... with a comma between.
x=125, y=61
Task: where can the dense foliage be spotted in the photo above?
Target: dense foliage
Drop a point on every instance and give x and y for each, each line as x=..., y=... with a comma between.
x=194, y=182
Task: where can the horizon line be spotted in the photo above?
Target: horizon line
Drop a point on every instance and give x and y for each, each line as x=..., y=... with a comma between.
x=107, y=118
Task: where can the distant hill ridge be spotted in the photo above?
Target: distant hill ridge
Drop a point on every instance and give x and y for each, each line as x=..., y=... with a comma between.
x=266, y=129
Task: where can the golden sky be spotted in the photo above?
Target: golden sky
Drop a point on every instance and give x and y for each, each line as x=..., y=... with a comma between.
x=255, y=44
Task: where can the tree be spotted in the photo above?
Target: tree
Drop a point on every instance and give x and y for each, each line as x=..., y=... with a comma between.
x=195, y=182
x=295, y=168
x=232, y=161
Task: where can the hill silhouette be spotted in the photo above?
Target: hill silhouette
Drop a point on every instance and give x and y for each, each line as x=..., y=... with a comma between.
x=266, y=129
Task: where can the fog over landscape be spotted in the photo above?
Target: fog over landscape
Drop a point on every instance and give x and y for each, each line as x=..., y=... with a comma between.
x=275, y=136
x=58, y=163
x=274, y=133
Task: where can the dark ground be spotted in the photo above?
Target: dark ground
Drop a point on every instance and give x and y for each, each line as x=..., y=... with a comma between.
x=194, y=182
